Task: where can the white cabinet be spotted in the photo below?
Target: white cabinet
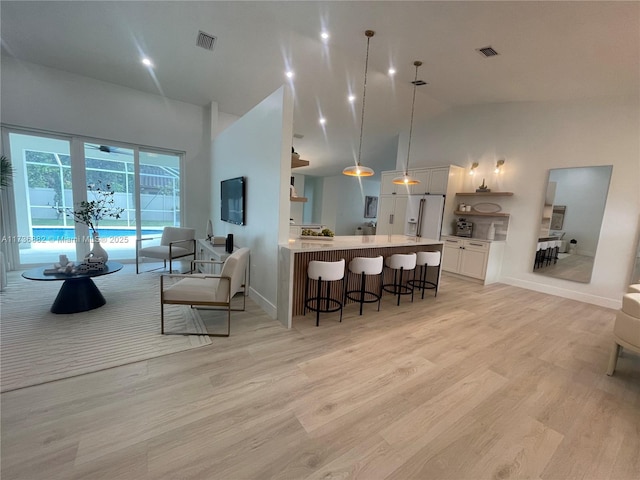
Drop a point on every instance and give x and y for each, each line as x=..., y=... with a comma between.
x=432, y=181
x=473, y=258
x=208, y=252
x=391, y=214
x=387, y=187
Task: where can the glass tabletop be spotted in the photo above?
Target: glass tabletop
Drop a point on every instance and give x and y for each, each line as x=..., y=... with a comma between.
x=38, y=273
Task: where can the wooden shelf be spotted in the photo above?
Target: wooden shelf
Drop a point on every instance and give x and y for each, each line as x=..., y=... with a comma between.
x=296, y=162
x=484, y=194
x=481, y=214
x=298, y=199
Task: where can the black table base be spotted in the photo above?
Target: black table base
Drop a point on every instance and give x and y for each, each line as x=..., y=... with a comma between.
x=77, y=295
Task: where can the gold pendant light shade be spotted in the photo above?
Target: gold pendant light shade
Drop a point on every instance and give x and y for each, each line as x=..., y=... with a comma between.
x=358, y=170
x=406, y=179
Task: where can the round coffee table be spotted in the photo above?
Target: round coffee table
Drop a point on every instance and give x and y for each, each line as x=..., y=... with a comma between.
x=78, y=293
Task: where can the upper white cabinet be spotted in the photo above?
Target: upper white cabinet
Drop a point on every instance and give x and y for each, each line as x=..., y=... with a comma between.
x=432, y=181
x=387, y=187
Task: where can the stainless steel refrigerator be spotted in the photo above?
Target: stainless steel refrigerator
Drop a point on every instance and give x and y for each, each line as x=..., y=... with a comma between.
x=424, y=216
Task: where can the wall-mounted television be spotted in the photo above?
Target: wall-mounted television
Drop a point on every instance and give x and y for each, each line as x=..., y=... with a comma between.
x=232, y=200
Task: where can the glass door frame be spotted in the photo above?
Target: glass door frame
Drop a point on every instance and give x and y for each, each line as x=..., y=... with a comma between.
x=77, y=143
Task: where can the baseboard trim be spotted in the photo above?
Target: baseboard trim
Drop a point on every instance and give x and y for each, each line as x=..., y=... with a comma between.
x=562, y=292
x=269, y=308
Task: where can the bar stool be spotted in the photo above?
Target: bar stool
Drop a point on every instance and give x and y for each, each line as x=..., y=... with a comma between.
x=541, y=253
x=424, y=260
x=556, y=250
x=324, y=272
x=400, y=263
x=551, y=251
x=365, y=266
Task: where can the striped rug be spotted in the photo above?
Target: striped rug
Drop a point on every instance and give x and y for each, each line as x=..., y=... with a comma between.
x=37, y=346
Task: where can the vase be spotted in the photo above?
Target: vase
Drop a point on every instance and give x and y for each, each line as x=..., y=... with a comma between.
x=97, y=250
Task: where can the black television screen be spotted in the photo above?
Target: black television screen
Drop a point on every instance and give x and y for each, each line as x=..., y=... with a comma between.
x=232, y=203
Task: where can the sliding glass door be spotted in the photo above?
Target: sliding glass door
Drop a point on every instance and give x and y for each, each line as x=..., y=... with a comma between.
x=52, y=175
x=159, y=188
x=41, y=186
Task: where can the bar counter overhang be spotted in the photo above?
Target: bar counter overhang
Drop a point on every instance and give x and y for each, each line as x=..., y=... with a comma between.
x=297, y=253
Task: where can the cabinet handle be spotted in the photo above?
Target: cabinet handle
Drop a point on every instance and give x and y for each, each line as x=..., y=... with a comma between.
x=451, y=241
x=391, y=218
x=476, y=244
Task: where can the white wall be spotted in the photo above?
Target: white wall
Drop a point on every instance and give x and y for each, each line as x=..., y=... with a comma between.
x=312, y=211
x=533, y=138
x=258, y=147
x=343, y=202
x=38, y=97
x=297, y=208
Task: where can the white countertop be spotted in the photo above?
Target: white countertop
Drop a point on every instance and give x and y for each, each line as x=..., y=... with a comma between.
x=349, y=242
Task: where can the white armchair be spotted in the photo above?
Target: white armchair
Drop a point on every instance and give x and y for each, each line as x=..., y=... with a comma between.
x=626, y=329
x=176, y=242
x=210, y=291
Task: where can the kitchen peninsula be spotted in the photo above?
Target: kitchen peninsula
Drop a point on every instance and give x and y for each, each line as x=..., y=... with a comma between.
x=294, y=257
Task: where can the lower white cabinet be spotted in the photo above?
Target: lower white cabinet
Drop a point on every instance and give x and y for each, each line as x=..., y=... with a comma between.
x=473, y=258
x=208, y=252
x=392, y=211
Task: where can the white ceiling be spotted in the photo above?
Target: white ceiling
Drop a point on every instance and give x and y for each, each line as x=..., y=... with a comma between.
x=548, y=51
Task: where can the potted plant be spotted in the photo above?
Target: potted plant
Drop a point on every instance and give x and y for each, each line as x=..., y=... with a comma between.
x=91, y=212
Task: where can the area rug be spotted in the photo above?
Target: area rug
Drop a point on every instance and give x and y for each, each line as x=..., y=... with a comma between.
x=37, y=346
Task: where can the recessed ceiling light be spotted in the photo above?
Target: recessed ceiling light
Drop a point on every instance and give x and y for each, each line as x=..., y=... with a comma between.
x=289, y=74
x=324, y=35
x=323, y=120
x=147, y=62
x=392, y=71
x=352, y=98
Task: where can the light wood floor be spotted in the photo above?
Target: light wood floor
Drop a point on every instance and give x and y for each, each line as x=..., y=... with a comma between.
x=479, y=383
x=576, y=268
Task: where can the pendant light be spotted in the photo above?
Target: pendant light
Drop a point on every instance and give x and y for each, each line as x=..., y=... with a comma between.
x=406, y=179
x=359, y=170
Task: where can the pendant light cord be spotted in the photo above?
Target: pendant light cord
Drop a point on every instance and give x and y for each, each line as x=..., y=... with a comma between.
x=364, y=94
x=413, y=105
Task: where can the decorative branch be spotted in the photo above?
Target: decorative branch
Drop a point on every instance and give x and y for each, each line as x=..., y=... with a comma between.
x=91, y=212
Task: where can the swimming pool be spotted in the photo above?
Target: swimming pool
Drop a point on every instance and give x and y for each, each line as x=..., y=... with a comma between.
x=52, y=234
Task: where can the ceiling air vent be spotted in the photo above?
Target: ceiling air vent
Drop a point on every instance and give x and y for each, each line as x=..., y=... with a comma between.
x=487, y=52
x=205, y=40
x=419, y=83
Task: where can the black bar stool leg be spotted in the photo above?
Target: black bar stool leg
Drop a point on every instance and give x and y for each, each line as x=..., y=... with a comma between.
x=399, y=286
x=362, y=285
x=318, y=300
x=306, y=295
